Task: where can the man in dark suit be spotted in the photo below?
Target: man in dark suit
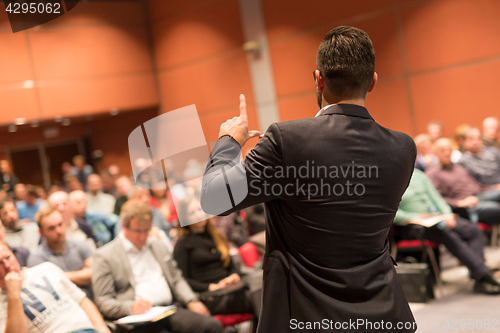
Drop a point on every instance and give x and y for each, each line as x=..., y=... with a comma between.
x=331, y=185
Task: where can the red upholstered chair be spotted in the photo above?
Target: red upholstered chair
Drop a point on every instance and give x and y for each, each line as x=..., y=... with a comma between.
x=427, y=247
x=494, y=232
x=249, y=254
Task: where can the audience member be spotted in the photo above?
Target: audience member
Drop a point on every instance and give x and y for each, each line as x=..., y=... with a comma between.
x=202, y=254
x=81, y=170
x=21, y=253
x=71, y=183
x=158, y=220
x=114, y=170
x=108, y=183
x=55, y=304
x=54, y=188
x=462, y=238
x=483, y=163
x=435, y=130
x=162, y=199
x=42, y=194
x=75, y=230
x=425, y=156
x=97, y=201
x=18, y=233
x=460, y=133
x=133, y=273
x=123, y=190
x=233, y=227
x=7, y=179
x=490, y=132
x=28, y=207
x=66, y=169
x=19, y=192
x=459, y=189
x=73, y=257
x=102, y=226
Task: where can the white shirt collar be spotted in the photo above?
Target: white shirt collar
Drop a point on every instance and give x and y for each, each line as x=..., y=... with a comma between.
x=323, y=109
x=129, y=247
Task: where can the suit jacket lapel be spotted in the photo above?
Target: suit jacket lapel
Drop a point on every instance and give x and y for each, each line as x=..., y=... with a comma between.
x=122, y=256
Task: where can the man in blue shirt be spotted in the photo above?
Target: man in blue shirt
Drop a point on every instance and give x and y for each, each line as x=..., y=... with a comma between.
x=28, y=207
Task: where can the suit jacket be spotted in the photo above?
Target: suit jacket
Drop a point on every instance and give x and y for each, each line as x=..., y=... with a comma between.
x=326, y=231
x=113, y=281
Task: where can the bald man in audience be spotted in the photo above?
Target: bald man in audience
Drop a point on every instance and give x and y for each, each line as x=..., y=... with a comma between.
x=98, y=201
x=460, y=189
x=73, y=257
x=482, y=162
x=74, y=230
x=17, y=232
x=102, y=226
x=490, y=132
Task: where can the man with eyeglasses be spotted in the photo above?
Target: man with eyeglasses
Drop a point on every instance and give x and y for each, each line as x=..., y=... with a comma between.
x=134, y=272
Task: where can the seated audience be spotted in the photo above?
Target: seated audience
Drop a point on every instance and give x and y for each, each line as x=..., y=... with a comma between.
x=19, y=192
x=42, y=299
x=162, y=199
x=18, y=233
x=108, y=183
x=462, y=238
x=233, y=227
x=71, y=183
x=459, y=189
x=81, y=170
x=425, y=156
x=483, y=163
x=102, y=226
x=77, y=231
x=28, y=207
x=97, y=201
x=158, y=220
x=123, y=189
x=132, y=273
x=7, y=179
x=460, y=133
x=21, y=253
x=42, y=194
x=202, y=254
x=490, y=132
x=73, y=257
x=435, y=130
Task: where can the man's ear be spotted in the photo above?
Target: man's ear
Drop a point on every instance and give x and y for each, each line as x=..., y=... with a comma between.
x=374, y=82
x=320, y=81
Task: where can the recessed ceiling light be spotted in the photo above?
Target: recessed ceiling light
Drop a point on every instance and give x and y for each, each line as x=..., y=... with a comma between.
x=35, y=123
x=66, y=122
x=28, y=84
x=20, y=121
x=114, y=111
x=12, y=128
x=58, y=119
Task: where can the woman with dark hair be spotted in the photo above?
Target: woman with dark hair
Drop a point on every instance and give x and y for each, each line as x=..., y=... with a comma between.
x=202, y=253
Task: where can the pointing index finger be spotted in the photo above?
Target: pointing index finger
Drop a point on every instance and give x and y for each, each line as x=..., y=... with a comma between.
x=243, y=107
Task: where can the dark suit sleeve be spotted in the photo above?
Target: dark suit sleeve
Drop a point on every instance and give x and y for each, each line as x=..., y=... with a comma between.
x=246, y=182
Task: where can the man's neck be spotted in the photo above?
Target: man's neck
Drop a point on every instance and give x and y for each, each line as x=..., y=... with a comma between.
x=447, y=166
x=57, y=248
x=339, y=100
x=93, y=193
x=15, y=226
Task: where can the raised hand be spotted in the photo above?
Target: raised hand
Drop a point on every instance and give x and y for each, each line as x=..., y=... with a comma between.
x=237, y=127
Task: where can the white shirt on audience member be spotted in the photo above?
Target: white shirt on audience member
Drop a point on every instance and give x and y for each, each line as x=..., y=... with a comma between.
x=150, y=284
x=100, y=203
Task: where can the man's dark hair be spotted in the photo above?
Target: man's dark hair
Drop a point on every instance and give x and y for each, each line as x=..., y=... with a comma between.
x=346, y=59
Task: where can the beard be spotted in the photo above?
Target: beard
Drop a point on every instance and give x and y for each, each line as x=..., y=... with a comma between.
x=319, y=98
